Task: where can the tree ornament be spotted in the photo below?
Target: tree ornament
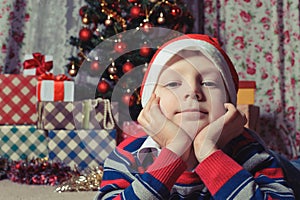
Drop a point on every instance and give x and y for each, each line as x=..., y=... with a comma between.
x=95, y=65
x=128, y=99
x=72, y=72
x=115, y=15
x=85, y=19
x=161, y=19
x=112, y=69
x=85, y=34
x=103, y=86
x=146, y=26
x=128, y=66
x=132, y=1
x=73, y=69
x=114, y=77
x=108, y=22
x=175, y=11
x=145, y=68
x=153, y=1
x=135, y=11
x=82, y=10
x=145, y=50
x=115, y=5
x=120, y=47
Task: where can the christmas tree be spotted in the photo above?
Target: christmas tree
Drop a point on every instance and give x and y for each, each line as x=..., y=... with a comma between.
x=117, y=40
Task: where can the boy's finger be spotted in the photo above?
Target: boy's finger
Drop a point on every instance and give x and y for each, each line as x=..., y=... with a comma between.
x=232, y=112
x=229, y=106
x=149, y=103
x=142, y=119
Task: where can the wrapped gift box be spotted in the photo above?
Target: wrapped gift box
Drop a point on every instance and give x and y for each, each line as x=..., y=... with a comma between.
x=81, y=148
x=37, y=64
x=86, y=114
x=55, y=88
x=18, y=99
x=246, y=92
x=22, y=142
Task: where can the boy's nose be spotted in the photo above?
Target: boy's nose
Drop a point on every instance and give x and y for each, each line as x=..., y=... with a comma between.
x=196, y=96
x=194, y=93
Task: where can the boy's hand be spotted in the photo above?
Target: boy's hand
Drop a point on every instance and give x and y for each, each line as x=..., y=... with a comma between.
x=164, y=131
x=218, y=133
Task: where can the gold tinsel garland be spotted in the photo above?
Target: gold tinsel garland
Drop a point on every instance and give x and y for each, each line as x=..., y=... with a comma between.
x=88, y=181
x=113, y=14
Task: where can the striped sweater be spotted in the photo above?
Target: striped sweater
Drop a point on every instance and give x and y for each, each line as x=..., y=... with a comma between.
x=242, y=170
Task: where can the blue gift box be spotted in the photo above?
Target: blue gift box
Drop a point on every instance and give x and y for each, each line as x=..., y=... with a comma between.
x=19, y=142
x=81, y=148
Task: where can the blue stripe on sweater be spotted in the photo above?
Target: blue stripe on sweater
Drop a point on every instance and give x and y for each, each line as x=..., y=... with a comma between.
x=154, y=185
x=238, y=181
x=135, y=144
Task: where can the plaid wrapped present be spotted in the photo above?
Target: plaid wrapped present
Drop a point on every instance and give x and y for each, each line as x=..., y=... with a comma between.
x=18, y=99
x=86, y=114
x=81, y=148
x=22, y=142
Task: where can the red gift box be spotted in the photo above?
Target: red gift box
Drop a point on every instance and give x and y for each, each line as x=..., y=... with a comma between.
x=18, y=99
x=55, y=88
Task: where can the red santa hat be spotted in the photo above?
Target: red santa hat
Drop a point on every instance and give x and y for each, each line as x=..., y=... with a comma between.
x=208, y=46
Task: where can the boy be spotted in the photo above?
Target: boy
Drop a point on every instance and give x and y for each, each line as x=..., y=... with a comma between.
x=195, y=145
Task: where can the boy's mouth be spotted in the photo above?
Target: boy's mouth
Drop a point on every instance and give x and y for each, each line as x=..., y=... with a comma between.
x=193, y=114
x=191, y=110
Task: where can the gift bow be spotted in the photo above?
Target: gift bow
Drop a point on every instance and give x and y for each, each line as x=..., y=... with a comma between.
x=38, y=62
x=50, y=76
x=59, y=85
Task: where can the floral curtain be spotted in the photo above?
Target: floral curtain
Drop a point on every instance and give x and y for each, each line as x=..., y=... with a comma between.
x=12, y=20
x=263, y=39
x=29, y=26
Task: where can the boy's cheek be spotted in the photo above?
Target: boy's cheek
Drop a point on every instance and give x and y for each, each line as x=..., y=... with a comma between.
x=167, y=106
x=217, y=111
x=216, y=104
x=164, y=108
x=166, y=96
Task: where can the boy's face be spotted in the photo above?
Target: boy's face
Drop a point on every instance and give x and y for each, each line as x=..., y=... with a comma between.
x=192, y=93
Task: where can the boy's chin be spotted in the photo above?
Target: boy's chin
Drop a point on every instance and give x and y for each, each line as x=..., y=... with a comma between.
x=192, y=127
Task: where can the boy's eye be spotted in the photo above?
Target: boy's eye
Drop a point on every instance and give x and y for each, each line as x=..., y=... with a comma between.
x=173, y=84
x=209, y=84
